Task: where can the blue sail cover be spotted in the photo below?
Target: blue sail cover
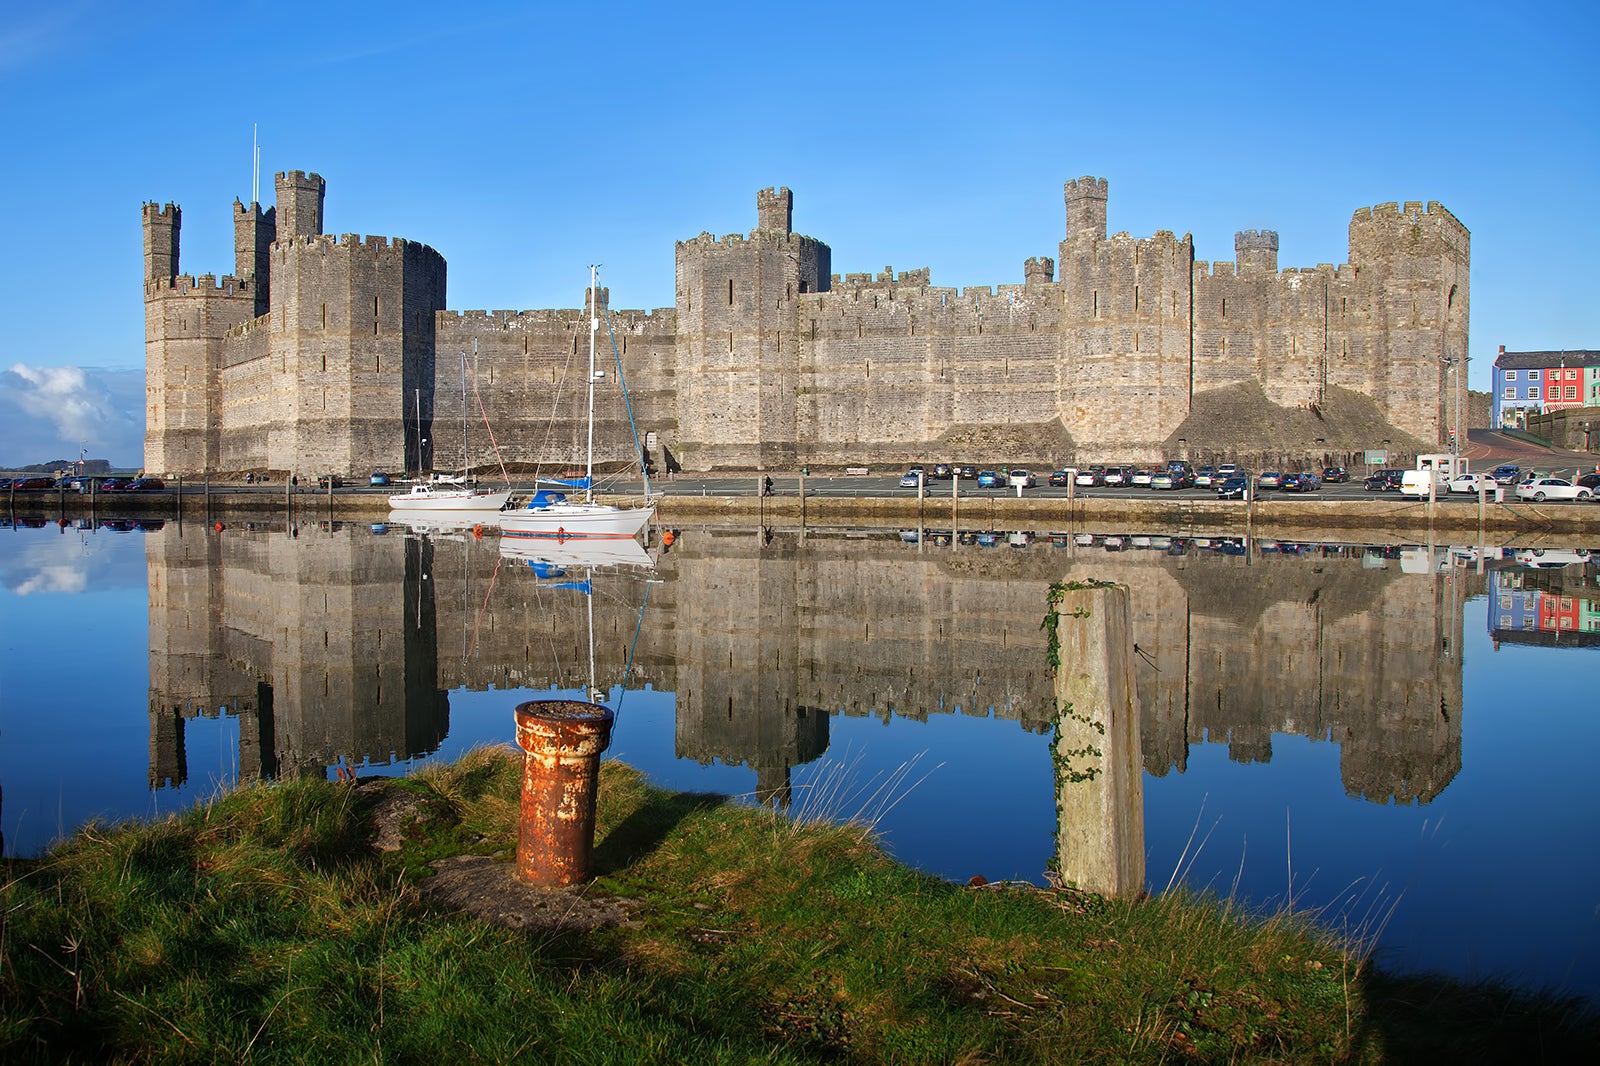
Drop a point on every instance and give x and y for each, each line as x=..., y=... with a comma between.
x=546, y=498
x=569, y=482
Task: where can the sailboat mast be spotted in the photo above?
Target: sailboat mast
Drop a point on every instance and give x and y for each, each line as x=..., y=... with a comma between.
x=463, y=418
x=419, y=432
x=594, y=324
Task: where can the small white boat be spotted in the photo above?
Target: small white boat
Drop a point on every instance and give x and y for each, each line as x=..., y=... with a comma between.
x=447, y=492
x=432, y=497
x=549, y=515
x=457, y=520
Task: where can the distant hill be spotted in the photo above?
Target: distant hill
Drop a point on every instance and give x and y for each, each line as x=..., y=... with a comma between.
x=90, y=466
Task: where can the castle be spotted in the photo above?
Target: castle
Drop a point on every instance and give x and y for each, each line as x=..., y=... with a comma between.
x=336, y=354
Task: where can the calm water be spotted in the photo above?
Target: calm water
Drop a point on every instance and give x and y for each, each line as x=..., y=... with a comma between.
x=1391, y=735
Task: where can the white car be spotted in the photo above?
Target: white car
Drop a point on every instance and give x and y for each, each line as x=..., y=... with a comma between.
x=1551, y=488
x=1472, y=483
x=1021, y=479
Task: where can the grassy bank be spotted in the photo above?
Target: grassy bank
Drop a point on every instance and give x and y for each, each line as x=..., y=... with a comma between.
x=271, y=926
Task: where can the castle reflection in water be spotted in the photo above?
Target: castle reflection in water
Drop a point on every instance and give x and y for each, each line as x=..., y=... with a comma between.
x=334, y=643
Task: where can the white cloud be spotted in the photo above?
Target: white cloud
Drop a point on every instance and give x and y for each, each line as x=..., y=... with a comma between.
x=49, y=412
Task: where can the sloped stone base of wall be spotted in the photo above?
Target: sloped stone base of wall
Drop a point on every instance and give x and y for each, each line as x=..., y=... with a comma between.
x=1240, y=424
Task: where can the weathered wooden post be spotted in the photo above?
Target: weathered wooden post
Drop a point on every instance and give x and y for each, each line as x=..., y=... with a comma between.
x=561, y=742
x=1098, y=765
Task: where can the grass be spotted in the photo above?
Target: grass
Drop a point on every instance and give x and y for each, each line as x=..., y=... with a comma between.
x=264, y=928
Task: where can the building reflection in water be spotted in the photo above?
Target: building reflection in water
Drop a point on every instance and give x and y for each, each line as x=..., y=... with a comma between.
x=340, y=644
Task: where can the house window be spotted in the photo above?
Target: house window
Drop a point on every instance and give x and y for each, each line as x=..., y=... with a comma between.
x=1571, y=374
x=1533, y=392
x=1511, y=375
x=1572, y=392
x=1511, y=392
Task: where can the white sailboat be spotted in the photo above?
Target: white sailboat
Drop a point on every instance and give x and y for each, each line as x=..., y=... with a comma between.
x=550, y=515
x=451, y=494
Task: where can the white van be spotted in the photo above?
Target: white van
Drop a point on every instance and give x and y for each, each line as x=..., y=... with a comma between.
x=1419, y=482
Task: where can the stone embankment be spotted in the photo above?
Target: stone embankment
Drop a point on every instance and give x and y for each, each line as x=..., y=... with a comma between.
x=1296, y=516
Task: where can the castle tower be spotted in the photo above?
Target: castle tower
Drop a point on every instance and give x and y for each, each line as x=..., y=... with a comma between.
x=299, y=203
x=1256, y=250
x=161, y=225
x=737, y=304
x=185, y=319
x=254, y=231
x=1038, y=270
x=775, y=211
x=1086, y=208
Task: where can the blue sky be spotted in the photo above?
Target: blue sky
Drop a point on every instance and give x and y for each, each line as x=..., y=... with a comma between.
x=527, y=141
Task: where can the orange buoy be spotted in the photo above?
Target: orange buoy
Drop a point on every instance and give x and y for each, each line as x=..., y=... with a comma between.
x=219, y=527
x=667, y=538
x=477, y=531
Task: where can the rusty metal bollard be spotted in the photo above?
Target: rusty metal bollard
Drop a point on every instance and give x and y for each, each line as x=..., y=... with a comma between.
x=561, y=742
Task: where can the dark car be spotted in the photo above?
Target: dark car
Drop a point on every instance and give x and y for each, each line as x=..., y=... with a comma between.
x=1299, y=482
x=32, y=484
x=942, y=471
x=379, y=478
x=1335, y=475
x=1506, y=473
x=1233, y=488
x=1059, y=478
x=115, y=484
x=1384, y=481
x=967, y=471
x=146, y=484
x=1590, y=481
x=323, y=481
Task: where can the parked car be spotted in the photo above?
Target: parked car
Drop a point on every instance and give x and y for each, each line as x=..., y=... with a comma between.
x=1058, y=477
x=910, y=479
x=146, y=484
x=1228, y=470
x=988, y=479
x=1304, y=481
x=322, y=482
x=1552, y=488
x=1590, y=481
x=1020, y=478
x=1233, y=488
x=1117, y=476
x=378, y=478
x=968, y=472
x=115, y=484
x=1335, y=475
x=1164, y=480
x=1384, y=481
x=1269, y=479
x=1140, y=478
x=943, y=471
x=1506, y=473
x=32, y=484
x=1090, y=478
x=1205, y=477
x=1472, y=483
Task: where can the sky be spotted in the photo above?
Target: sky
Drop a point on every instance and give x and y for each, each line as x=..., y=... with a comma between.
x=526, y=141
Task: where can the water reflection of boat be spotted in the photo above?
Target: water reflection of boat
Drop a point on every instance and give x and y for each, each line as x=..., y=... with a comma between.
x=558, y=553
x=445, y=520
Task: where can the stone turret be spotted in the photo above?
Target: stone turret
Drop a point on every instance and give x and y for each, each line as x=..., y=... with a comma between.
x=299, y=203
x=1256, y=249
x=1086, y=208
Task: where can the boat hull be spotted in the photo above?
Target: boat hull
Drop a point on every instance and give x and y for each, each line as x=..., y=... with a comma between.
x=449, y=500
x=573, y=521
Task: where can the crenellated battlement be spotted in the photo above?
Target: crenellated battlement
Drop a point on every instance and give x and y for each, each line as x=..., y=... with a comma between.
x=201, y=285
x=346, y=243
x=150, y=211
x=1256, y=240
x=1087, y=186
x=1413, y=213
x=547, y=319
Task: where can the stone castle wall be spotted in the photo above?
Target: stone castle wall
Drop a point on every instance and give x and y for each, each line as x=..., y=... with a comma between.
x=769, y=360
